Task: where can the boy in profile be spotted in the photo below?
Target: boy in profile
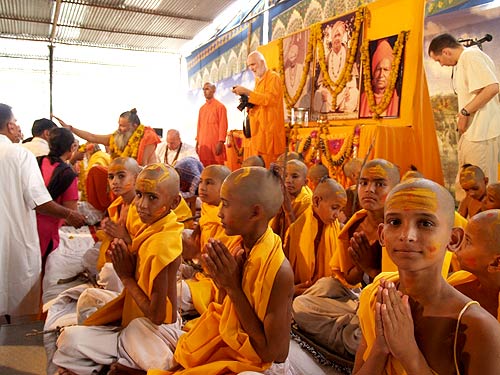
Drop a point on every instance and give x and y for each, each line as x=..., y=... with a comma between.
x=492, y=198
x=198, y=291
x=413, y=321
x=311, y=240
x=479, y=257
x=148, y=303
x=250, y=329
x=315, y=174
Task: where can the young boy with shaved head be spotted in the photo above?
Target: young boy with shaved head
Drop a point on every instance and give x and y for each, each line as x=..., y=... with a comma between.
x=250, y=329
x=360, y=255
x=492, y=198
x=413, y=321
x=479, y=257
x=311, y=240
x=199, y=291
x=148, y=304
x=315, y=174
x=473, y=182
x=298, y=197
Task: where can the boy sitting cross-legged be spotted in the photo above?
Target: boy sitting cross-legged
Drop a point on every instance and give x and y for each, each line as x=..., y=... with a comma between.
x=148, y=304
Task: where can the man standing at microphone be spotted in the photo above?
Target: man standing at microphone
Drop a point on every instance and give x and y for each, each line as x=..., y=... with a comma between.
x=476, y=85
x=267, y=119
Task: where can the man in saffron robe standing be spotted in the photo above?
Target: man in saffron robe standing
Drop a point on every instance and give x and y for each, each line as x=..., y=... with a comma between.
x=212, y=129
x=267, y=119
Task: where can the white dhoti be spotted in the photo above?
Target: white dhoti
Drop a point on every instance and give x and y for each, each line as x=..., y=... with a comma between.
x=140, y=345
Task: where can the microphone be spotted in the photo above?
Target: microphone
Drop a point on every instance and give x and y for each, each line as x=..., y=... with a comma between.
x=486, y=38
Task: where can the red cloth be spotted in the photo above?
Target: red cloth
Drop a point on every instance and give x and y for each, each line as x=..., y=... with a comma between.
x=212, y=128
x=48, y=226
x=97, y=188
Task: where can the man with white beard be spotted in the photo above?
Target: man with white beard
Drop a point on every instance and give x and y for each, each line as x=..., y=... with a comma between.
x=132, y=139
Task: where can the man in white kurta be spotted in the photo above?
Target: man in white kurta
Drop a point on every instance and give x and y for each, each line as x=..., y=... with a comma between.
x=477, y=88
x=173, y=150
x=22, y=190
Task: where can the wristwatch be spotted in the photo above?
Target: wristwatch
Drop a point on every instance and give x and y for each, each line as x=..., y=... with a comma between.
x=465, y=112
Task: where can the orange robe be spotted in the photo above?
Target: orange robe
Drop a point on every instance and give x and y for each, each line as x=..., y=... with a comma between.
x=217, y=344
x=311, y=262
x=267, y=118
x=212, y=128
x=391, y=111
x=280, y=223
x=114, y=215
x=156, y=246
x=202, y=288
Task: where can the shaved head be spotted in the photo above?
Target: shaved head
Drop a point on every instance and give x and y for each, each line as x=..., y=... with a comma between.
x=254, y=161
x=298, y=166
x=329, y=187
x=471, y=172
x=161, y=176
x=317, y=171
x=256, y=186
x=219, y=172
x=130, y=164
x=386, y=168
x=488, y=224
x=421, y=192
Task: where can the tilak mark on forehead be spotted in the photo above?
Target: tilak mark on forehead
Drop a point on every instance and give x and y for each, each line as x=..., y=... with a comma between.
x=377, y=170
x=413, y=199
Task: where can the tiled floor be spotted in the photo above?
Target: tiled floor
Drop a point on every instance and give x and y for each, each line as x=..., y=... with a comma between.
x=21, y=355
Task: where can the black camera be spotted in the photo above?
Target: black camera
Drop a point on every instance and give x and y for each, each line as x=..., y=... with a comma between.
x=244, y=103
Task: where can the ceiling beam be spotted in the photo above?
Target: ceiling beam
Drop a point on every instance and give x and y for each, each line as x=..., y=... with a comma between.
x=137, y=10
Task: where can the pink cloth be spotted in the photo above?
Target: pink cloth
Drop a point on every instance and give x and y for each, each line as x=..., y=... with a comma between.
x=48, y=226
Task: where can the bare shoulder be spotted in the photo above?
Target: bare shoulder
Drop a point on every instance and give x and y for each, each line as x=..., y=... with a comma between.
x=481, y=349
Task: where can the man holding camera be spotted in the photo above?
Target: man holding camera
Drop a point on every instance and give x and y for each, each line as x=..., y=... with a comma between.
x=212, y=129
x=267, y=118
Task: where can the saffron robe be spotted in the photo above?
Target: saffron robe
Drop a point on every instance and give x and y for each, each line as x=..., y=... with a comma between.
x=217, y=344
x=212, y=128
x=310, y=262
x=114, y=215
x=280, y=223
x=202, y=288
x=156, y=245
x=267, y=118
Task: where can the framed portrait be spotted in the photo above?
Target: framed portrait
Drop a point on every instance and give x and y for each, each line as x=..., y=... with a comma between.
x=337, y=75
x=382, y=77
x=297, y=59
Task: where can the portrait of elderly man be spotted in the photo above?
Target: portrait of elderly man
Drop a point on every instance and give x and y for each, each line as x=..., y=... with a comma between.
x=294, y=56
x=338, y=50
x=381, y=63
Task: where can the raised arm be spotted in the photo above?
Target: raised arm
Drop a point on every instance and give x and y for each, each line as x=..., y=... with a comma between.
x=89, y=137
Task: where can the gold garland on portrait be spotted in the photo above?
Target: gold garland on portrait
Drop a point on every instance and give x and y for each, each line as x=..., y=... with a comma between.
x=132, y=147
x=397, y=52
x=289, y=100
x=345, y=76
